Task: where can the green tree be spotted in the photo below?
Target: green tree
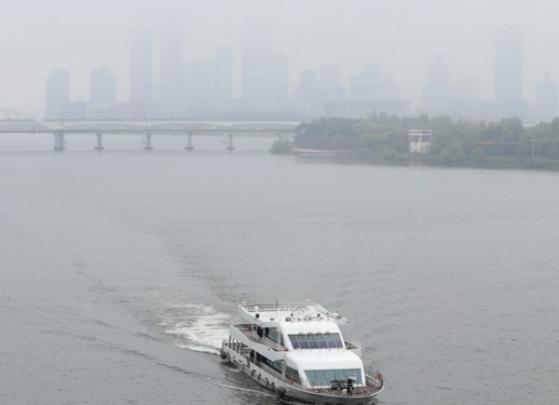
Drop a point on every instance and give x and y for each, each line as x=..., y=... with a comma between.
x=282, y=147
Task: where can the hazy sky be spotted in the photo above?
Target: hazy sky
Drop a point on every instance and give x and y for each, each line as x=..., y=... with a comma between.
x=401, y=36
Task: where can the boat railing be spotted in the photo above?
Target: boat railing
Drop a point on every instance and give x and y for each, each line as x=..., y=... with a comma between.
x=351, y=345
x=291, y=307
x=285, y=306
x=278, y=375
x=376, y=382
x=372, y=386
x=270, y=370
x=249, y=332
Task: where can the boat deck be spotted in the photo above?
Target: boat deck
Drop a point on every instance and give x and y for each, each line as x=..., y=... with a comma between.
x=249, y=332
x=372, y=387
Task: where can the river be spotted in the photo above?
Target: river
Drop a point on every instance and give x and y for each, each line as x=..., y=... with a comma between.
x=120, y=271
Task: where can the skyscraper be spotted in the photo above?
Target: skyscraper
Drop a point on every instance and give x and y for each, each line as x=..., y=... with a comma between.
x=508, y=71
x=307, y=94
x=200, y=87
x=466, y=90
x=255, y=68
x=222, y=77
x=547, y=99
x=437, y=94
x=365, y=83
x=330, y=82
x=141, y=70
x=57, y=94
x=171, y=72
x=102, y=87
x=278, y=84
x=389, y=89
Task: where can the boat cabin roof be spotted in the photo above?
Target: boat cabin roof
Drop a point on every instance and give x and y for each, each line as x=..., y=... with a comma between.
x=294, y=312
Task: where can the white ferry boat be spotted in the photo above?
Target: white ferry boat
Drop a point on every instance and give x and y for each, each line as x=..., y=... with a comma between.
x=297, y=350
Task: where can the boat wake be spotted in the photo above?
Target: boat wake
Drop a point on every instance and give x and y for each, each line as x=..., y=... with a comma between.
x=196, y=327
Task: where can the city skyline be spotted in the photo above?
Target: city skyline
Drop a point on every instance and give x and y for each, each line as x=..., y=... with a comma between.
x=175, y=89
x=345, y=36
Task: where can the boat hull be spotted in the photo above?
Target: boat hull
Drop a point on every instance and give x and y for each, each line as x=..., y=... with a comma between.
x=283, y=389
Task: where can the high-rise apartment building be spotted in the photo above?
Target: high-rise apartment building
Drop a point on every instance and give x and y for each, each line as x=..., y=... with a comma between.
x=255, y=69
x=330, y=82
x=365, y=83
x=508, y=71
x=437, y=94
x=102, y=87
x=171, y=72
x=547, y=99
x=222, y=77
x=200, y=87
x=278, y=84
x=141, y=69
x=307, y=94
x=57, y=94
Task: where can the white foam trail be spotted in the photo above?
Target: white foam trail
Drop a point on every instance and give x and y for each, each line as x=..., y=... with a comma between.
x=196, y=327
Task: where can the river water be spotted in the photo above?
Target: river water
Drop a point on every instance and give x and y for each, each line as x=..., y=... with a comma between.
x=120, y=271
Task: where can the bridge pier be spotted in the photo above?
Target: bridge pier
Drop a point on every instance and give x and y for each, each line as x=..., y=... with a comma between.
x=59, y=142
x=189, y=146
x=99, y=146
x=230, y=146
x=148, y=146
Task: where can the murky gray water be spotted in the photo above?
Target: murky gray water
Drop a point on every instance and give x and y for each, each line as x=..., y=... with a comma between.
x=120, y=271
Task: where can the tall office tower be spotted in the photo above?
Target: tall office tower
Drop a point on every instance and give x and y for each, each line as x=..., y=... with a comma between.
x=171, y=72
x=307, y=94
x=200, y=87
x=365, y=83
x=102, y=87
x=547, y=99
x=57, y=94
x=389, y=89
x=330, y=83
x=255, y=69
x=278, y=85
x=466, y=90
x=307, y=90
x=141, y=70
x=437, y=94
x=222, y=77
x=508, y=71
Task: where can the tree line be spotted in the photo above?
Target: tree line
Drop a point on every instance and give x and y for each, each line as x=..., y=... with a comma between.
x=384, y=138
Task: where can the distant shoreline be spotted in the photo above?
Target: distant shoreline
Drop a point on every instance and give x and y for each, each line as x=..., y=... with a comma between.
x=388, y=140
x=367, y=156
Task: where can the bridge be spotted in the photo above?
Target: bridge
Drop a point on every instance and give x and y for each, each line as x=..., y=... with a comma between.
x=12, y=122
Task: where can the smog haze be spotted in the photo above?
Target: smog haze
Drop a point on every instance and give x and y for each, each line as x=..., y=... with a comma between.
x=400, y=37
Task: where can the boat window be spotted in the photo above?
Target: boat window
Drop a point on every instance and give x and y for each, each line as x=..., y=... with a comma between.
x=273, y=334
x=324, y=378
x=316, y=341
x=275, y=365
x=292, y=374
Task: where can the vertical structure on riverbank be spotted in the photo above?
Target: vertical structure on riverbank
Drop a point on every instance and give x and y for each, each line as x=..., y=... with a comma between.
x=420, y=141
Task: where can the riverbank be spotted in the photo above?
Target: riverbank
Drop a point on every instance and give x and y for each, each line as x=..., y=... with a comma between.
x=365, y=156
x=380, y=139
